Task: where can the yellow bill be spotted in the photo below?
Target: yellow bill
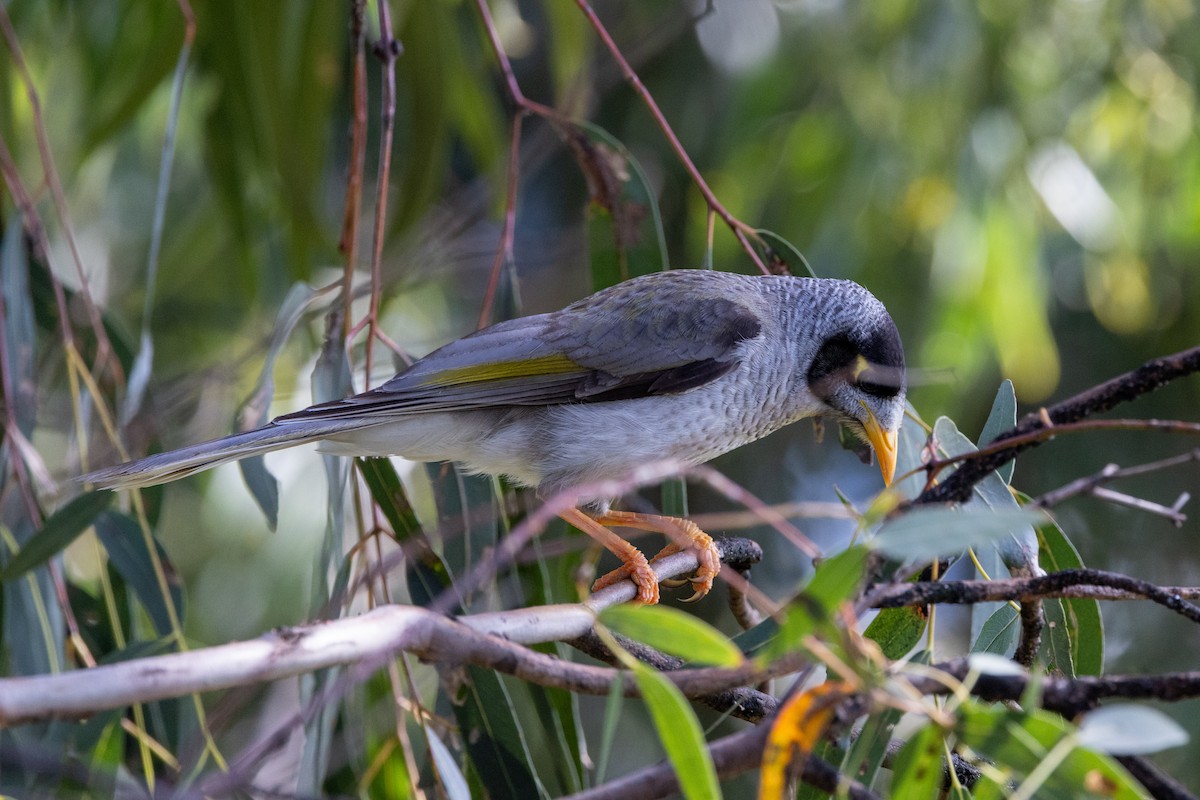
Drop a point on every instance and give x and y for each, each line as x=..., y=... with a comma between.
x=884, y=444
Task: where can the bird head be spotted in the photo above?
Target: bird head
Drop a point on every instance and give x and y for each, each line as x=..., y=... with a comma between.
x=858, y=375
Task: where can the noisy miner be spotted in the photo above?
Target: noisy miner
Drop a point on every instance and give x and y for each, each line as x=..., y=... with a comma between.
x=684, y=364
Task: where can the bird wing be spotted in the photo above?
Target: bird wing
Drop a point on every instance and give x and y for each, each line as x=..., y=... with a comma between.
x=662, y=334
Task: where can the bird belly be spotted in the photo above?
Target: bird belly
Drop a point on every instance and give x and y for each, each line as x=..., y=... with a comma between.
x=605, y=441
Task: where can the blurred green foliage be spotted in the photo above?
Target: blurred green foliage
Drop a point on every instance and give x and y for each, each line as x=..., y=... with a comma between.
x=1018, y=181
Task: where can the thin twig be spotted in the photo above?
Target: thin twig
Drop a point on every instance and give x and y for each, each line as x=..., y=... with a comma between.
x=1054, y=584
x=348, y=244
x=504, y=250
x=1112, y=472
x=1032, y=430
x=104, y=350
x=740, y=229
x=387, y=50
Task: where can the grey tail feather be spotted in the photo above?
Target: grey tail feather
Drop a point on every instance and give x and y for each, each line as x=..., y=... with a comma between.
x=175, y=464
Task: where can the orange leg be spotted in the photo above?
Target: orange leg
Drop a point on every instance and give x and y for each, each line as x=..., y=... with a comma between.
x=683, y=534
x=634, y=564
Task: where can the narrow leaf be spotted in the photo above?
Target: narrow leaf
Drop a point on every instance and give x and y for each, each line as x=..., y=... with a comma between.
x=451, y=776
x=928, y=534
x=125, y=544
x=1002, y=417
x=917, y=770
x=1084, y=622
x=798, y=728
x=62, y=528
x=493, y=737
x=1019, y=549
x=675, y=632
x=1129, y=730
x=1056, y=648
x=999, y=632
x=680, y=733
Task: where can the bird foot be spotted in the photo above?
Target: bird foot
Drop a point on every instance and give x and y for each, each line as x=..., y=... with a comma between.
x=685, y=534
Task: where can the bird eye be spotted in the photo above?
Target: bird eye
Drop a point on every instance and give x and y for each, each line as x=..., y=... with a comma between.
x=882, y=390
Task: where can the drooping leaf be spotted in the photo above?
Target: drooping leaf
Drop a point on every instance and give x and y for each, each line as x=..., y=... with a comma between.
x=1056, y=650
x=493, y=737
x=255, y=410
x=1082, y=615
x=20, y=333
x=865, y=756
x=125, y=543
x=675, y=632
x=625, y=233
x=1017, y=743
x=62, y=528
x=1017, y=551
x=612, y=715
x=786, y=255
x=680, y=734
x=799, y=726
x=918, y=767
x=451, y=776
x=1003, y=416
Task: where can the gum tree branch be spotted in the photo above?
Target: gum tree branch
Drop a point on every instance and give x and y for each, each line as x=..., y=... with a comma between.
x=493, y=640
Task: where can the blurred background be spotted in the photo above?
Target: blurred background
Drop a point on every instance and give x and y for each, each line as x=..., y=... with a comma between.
x=1019, y=182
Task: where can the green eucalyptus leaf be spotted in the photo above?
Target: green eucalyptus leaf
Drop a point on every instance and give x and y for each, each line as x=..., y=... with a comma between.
x=1084, y=623
x=125, y=544
x=1129, y=730
x=897, y=630
x=680, y=734
x=999, y=633
x=675, y=632
x=918, y=768
x=452, y=779
x=1018, y=743
x=1056, y=650
x=926, y=534
x=62, y=528
x=784, y=253
x=1002, y=417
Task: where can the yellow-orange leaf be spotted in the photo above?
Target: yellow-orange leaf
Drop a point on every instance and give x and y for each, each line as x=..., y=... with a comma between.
x=798, y=727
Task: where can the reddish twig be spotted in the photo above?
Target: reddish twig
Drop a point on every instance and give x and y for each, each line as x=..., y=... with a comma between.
x=504, y=251
x=740, y=229
x=104, y=351
x=348, y=244
x=387, y=50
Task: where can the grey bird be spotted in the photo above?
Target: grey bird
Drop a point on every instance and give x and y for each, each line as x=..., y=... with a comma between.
x=683, y=364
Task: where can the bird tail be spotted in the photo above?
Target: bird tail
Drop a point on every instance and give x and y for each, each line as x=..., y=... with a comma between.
x=174, y=464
